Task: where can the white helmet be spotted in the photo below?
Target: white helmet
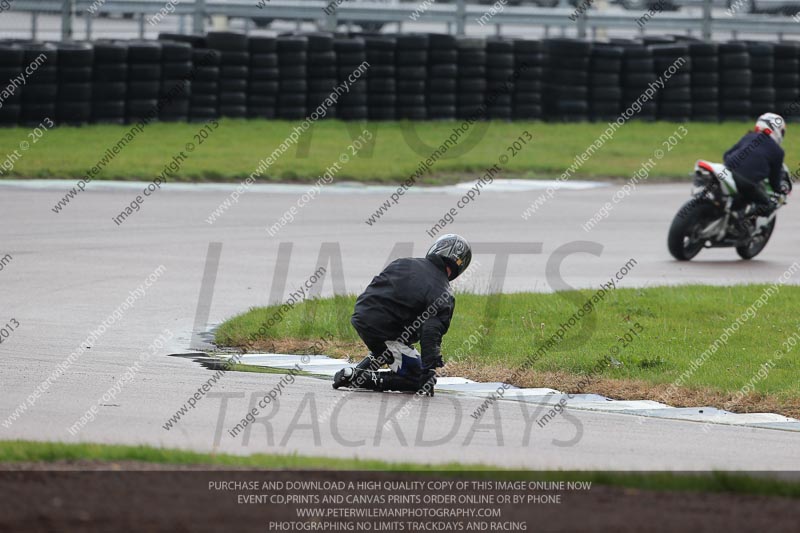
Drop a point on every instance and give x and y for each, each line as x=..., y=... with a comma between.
x=773, y=125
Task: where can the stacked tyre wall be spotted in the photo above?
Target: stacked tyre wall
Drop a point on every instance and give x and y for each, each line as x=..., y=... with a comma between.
x=395, y=77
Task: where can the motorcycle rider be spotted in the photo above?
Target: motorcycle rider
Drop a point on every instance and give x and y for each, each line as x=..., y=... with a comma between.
x=758, y=156
x=409, y=301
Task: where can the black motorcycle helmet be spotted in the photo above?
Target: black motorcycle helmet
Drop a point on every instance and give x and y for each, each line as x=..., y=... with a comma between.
x=454, y=250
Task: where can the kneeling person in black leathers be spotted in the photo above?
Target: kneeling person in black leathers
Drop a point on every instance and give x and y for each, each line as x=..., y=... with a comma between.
x=409, y=302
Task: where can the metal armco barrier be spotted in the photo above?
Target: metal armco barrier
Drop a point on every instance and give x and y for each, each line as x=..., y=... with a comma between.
x=458, y=15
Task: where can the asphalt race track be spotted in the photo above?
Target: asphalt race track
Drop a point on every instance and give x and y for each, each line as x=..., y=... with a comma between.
x=70, y=271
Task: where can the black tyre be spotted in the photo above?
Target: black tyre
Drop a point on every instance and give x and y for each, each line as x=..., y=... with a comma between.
x=291, y=113
x=410, y=100
x=292, y=43
x=175, y=71
x=141, y=108
x=412, y=41
x=201, y=114
x=704, y=64
x=109, y=72
x=270, y=60
x=569, y=62
x=380, y=42
x=11, y=55
x=232, y=85
x=411, y=57
x=144, y=89
x=471, y=57
x=528, y=111
x=236, y=72
x=735, y=61
x=388, y=84
x=568, y=46
x=205, y=87
x=349, y=45
x=260, y=112
x=606, y=93
x=196, y=41
x=235, y=99
x=39, y=93
x=527, y=98
x=412, y=112
x=112, y=108
x=72, y=55
x=238, y=58
x=264, y=87
x=144, y=51
x=412, y=73
x=292, y=100
x=380, y=58
x=205, y=57
x=203, y=100
x=683, y=241
x=739, y=78
x=444, y=70
x=202, y=74
x=109, y=91
x=606, y=65
x=563, y=76
x=228, y=41
x=9, y=114
x=500, y=60
x=383, y=100
x=174, y=51
x=635, y=81
x=144, y=71
x=757, y=243
x=233, y=111
x=381, y=113
x=471, y=71
x=292, y=72
x=705, y=79
x=75, y=92
x=262, y=100
x=439, y=56
x=75, y=74
x=441, y=99
x=267, y=74
x=352, y=112
x=262, y=45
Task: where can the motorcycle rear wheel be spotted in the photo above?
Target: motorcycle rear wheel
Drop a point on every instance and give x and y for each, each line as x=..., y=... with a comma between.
x=757, y=243
x=682, y=241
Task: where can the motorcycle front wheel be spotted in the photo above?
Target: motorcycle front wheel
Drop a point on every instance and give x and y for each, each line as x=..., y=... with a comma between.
x=757, y=243
x=683, y=240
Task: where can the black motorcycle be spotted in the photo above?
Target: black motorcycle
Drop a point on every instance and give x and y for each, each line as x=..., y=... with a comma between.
x=707, y=220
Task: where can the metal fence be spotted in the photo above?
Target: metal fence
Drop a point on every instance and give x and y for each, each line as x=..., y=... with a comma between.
x=457, y=16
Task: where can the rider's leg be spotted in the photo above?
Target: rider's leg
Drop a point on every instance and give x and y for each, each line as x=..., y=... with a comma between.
x=756, y=202
x=379, y=355
x=406, y=372
x=391, y=381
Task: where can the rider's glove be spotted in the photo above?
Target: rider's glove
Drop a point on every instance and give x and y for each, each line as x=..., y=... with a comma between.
x=429, y=363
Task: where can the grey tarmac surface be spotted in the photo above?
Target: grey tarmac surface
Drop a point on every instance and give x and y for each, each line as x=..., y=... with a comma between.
x=70, y=271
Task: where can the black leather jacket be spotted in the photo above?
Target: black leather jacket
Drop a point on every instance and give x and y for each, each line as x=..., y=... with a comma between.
x=409, y=301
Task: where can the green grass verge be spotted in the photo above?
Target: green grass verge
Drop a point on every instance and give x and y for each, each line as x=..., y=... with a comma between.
x=678, y=324
x=21, y=451
x=233, y=151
